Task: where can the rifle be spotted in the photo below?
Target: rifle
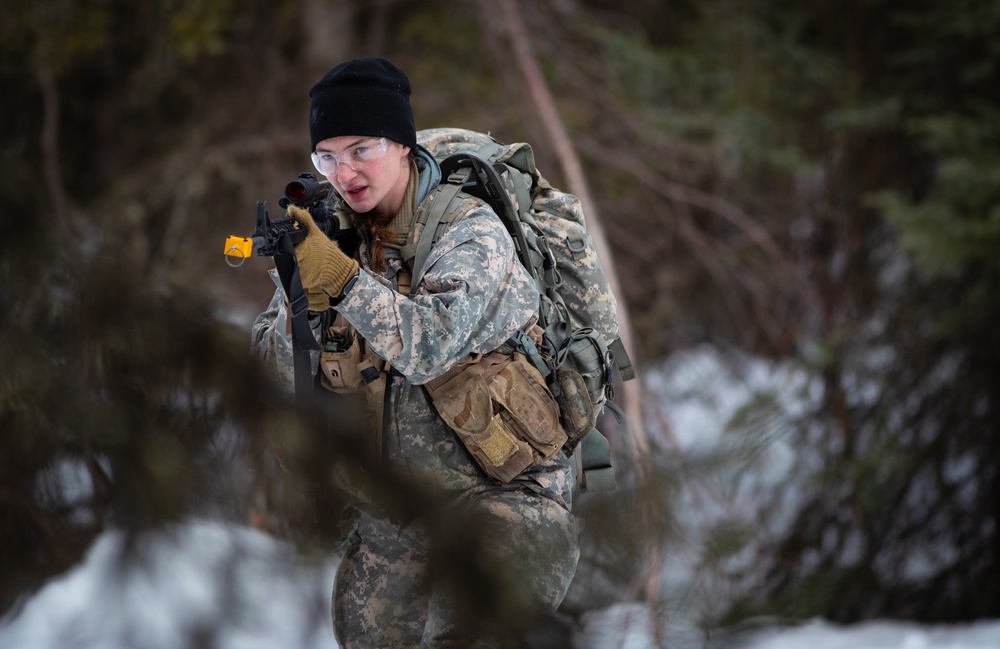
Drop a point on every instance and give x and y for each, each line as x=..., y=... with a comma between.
x=277, y=239
x=305, y=192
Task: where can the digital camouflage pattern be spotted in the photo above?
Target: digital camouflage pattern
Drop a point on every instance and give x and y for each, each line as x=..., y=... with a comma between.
x=557, y=216
x=442, y=142
x=585, y=289
x=472, y=297
x=386, y=593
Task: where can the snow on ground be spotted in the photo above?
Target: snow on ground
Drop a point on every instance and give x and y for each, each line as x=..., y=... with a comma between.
x=177, y=585
x=210, y=584
x=214, y=585
x=880, y=635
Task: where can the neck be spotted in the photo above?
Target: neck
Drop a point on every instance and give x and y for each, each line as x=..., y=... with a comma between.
x=397, y=219
x=393, y=230
x=396, y=199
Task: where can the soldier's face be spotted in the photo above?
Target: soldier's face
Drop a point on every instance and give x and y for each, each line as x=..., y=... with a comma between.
x=377, y=186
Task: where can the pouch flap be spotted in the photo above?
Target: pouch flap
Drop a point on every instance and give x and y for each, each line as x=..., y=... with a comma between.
x=465, y=404
x=519, y=388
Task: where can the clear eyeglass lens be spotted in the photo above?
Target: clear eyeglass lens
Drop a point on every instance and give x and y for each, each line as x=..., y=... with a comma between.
x=357, y=158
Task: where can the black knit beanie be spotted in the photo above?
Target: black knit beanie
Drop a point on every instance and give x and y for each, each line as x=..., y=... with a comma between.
x=366, y=96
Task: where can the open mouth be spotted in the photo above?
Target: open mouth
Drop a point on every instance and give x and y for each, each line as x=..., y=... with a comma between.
x=355, y=193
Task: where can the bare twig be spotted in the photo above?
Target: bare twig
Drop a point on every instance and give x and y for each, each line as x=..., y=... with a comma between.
x=685, y=197
x=50, y=150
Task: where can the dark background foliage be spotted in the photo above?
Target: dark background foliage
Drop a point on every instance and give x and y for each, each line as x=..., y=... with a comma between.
x=802, y=182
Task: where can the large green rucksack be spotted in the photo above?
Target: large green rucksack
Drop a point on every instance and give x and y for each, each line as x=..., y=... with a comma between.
x=581, y=340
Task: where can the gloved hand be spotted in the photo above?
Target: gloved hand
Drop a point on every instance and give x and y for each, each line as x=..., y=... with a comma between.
x=323, y=268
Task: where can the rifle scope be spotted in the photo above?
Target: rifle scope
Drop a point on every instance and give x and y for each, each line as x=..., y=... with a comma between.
x=305, y=189
x=305, y=192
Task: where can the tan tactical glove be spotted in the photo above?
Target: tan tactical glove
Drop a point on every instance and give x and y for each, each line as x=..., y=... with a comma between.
x=323, y=268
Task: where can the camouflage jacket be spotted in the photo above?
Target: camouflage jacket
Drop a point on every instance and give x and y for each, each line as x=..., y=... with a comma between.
x=473, y=295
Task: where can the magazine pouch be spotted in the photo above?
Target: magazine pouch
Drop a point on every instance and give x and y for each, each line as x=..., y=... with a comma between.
x=341, y=358
x=501, y=410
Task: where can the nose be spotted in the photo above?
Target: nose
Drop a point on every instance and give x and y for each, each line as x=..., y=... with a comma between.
x=341, y=174
x=344, y=171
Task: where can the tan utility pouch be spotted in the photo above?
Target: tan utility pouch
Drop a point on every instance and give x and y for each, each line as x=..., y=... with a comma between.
x=500, y=408
x=344, y=364
x=341, y=358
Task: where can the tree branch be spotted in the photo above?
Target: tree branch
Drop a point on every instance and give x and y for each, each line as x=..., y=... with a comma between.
x=50, y=150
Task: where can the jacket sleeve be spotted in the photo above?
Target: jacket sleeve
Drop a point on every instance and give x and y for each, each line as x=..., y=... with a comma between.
x=473, y=295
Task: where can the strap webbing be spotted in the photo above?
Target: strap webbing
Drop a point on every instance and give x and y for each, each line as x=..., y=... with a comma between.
x=594, y=471
x=303, y=340
x=415, y=254
x=622, y=360
x=489, y=188
x=521, y=342
x=521, y=190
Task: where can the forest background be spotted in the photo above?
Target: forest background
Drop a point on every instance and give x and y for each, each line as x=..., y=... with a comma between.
x=810, y=184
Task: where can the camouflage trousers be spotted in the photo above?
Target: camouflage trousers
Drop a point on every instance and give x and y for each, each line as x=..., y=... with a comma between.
x=476, y=573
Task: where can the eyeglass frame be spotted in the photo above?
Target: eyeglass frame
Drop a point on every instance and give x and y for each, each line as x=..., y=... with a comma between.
x=382, y=147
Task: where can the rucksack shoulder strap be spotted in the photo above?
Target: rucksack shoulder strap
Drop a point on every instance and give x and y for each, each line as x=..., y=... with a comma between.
x=483, y=182
x=472, y=173
x=432, y=216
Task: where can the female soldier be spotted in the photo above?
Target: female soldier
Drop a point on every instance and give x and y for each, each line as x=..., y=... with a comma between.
x=471, y=298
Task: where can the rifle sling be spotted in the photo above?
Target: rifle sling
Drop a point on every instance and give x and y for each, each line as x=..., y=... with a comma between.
x=303, y=340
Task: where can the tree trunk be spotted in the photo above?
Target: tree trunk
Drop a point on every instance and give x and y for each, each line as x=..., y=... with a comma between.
x=573, y=170
x=327, y=28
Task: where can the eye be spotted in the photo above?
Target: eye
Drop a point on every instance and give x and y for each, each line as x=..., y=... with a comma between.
x=327, y=157
x=360, y=151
